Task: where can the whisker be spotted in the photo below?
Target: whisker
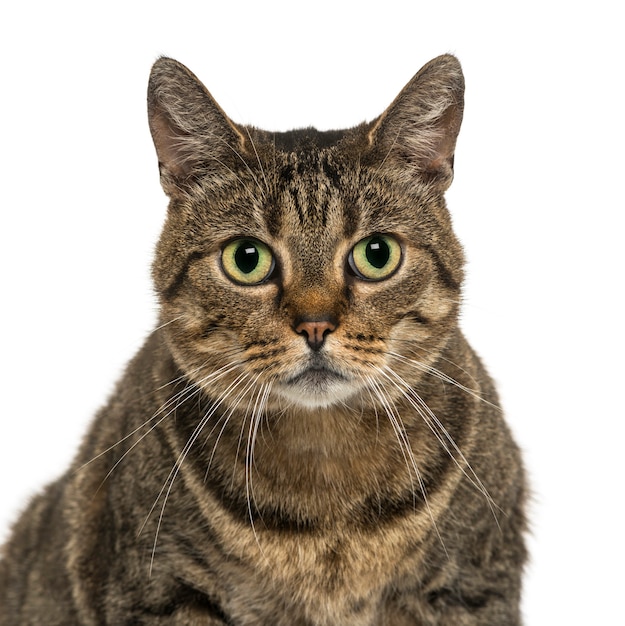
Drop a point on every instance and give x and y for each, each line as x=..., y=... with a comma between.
x=402, y=438
x=164, y=324
x=175, y=400
x=245, y=163
x=260, y=165
x=387, y=155
x=395, y=420
x=143, y=436
x=247, y=411
x=171, y=478
x=440, y=432
x=225, y=418
x=255, y=419
x=373, y=404
x=428, y=369
x=404, y=444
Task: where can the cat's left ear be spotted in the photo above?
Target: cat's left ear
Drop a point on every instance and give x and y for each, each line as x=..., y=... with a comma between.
x=192, y=135
x=419, y=129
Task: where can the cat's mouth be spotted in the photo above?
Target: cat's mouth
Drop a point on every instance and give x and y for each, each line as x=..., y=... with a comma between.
x=317, y=385
x=316, y=376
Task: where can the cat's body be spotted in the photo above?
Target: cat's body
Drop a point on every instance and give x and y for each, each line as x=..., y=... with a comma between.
x=307, y=439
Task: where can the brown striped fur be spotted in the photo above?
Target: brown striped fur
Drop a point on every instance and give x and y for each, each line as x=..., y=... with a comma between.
x=316, y=449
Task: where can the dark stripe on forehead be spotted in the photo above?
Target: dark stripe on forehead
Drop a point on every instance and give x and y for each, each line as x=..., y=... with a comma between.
x=273, y=218
x=351, y=216
x=335, y=175
x=309, y=180
x=296, y=140
x=295, y=195
x=310, y=192
x=332, y=171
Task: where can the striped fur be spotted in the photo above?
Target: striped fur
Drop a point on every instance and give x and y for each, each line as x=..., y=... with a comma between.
x=313, y=449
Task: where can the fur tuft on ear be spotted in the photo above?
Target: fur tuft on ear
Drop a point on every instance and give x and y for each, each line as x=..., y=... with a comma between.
x=420, y=127
x=191, y=133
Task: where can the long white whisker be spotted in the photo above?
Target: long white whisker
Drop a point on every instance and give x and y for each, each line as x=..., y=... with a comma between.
x=439, y=431
x=245, y=163
x=255, y=419
x=171, y=478
x=392, y=415
x=428, y=369
x=171, y=321
x=404, y=443
x=260, y=165
x=226, y=417
x=182, y=396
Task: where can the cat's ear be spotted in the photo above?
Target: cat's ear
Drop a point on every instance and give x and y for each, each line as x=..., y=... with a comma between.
x=191, y=133
x=420, y=127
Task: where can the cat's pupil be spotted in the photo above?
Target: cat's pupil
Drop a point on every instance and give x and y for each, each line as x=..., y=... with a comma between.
x=247, y=257
x=378, y=252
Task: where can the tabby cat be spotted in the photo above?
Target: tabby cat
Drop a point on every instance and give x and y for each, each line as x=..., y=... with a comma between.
x=306, y=439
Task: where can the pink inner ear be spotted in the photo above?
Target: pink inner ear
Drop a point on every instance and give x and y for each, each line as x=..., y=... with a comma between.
x=443, y=152
x=169, y=146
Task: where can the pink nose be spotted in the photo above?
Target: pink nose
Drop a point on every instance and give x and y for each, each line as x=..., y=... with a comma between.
x=315, y=331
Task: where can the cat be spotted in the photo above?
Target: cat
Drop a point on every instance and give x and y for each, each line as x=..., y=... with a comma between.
x=306, y=439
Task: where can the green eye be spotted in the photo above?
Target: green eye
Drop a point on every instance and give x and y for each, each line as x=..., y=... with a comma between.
x=376, y=257
x=247, y=261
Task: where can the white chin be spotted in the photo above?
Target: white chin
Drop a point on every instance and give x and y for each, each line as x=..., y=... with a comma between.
x=317, y=396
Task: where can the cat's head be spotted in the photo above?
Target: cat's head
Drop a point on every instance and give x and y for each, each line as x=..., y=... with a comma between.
x=308, y=268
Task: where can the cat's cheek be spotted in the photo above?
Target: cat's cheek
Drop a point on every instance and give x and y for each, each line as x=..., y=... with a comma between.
x=376, y=307
x=438, y=304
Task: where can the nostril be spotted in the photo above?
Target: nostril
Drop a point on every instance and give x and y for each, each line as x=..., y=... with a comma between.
x=315, y=331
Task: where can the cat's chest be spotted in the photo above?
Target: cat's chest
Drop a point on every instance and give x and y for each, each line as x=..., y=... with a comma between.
x=271, y=570
x=335, y=577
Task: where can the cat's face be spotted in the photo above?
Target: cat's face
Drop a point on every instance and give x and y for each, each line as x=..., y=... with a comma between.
x=308, y=269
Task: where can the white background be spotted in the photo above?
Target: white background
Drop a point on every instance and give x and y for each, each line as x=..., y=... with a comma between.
x=537, y=201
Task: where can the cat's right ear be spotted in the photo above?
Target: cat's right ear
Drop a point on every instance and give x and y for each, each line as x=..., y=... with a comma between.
x=192, y=135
